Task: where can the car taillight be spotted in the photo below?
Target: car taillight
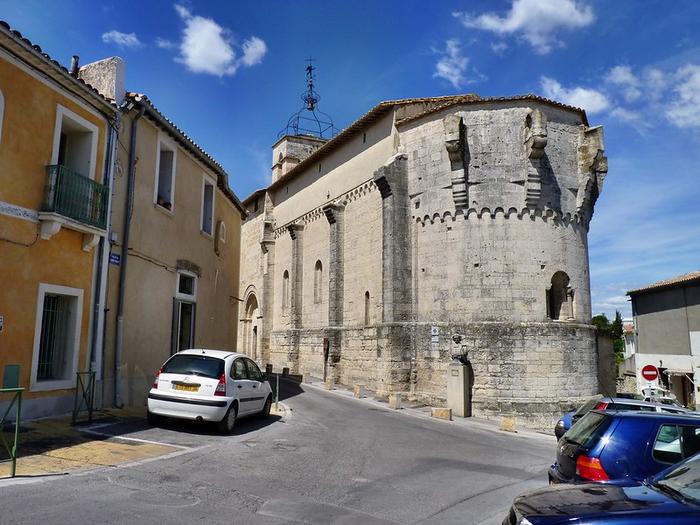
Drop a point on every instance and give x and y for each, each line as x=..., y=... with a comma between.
x=221, y=387
x=601, y=406
x=155, y=381
x=590, y=469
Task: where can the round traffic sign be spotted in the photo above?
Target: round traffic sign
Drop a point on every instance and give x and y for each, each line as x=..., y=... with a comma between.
x=650, y=372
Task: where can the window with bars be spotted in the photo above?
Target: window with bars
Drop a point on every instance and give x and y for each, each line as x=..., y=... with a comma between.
x=55, y=337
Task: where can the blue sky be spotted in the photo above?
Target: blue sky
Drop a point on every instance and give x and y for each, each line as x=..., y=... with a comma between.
x=231, y=73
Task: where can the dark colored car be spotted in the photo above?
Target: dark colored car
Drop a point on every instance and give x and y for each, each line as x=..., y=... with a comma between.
x=617, y=445
x=673, y=496
x=612, y=403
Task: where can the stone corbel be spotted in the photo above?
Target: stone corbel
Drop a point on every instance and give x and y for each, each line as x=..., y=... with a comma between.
x=458, y=153
x=593, y=167
x=90, y=240
x=294, y=229
x=49, y=229
x=535, y=140
x=331, y=212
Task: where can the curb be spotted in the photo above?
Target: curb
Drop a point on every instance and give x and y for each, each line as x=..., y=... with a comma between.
x=471, y=422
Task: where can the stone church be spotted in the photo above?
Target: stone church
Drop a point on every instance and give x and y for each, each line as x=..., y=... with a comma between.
x=424, y=219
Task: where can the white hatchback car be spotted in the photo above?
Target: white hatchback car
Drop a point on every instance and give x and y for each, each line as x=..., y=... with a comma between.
x=209, y=385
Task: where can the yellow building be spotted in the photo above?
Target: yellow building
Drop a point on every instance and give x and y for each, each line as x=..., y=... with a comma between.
x=56, y=143
x=177, y=285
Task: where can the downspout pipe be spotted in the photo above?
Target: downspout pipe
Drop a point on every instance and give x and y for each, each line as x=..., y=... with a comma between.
x=99, y=285
x=131, y=178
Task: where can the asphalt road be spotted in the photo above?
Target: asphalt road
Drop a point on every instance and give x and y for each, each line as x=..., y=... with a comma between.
x=332, y=460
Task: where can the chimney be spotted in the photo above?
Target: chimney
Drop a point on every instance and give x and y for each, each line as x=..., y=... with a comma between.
x=74, y=66
x=107, y=77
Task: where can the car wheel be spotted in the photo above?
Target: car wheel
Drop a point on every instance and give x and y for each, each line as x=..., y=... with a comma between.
x=225, y=426
x=265, y=412
x=153, y=419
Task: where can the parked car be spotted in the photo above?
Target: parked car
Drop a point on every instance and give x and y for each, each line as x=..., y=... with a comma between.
x=613, y=445
x=611, y=403
x=209, y=385
x=672, y=496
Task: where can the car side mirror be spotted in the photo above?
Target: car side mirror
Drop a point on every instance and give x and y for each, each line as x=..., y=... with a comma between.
x=263, y=378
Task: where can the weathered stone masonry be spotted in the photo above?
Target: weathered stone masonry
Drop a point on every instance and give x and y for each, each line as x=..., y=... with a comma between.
x=428, y=218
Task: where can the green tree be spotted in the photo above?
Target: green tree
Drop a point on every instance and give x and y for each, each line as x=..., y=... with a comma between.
x=602, y=323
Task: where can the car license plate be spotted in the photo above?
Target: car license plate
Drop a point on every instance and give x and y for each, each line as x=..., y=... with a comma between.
x=186, y=388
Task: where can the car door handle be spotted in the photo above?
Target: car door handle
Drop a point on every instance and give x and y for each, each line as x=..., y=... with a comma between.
x=240, y=386
x=255, y=386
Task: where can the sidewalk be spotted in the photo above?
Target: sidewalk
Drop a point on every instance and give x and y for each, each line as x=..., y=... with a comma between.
x=424, y=412
x=52, y=446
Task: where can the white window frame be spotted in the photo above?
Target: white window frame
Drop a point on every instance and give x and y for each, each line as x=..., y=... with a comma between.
x=170, y=146
x=2, y=112
x=63, y=112
x=208, y=180
x=77, y=316
x=182, y=296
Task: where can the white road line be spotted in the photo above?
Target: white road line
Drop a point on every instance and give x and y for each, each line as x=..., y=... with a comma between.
x=138, y=440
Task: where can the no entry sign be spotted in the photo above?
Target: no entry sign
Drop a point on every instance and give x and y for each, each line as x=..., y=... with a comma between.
x=650, y=372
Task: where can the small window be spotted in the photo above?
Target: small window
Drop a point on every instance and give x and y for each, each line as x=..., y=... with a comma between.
x=207, y=206
x=186, y=286
x=165, y=176
x=57, y=329
x=318, y=282
x=285, y=289
x=255, y=205
x=367, y=319
x=75, y=144
x=222, y=231
x=364, y=138
x=238, y=370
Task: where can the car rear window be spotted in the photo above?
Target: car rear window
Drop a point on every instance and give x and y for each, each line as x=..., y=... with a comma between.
x=588, y=429
x=630, y=406
x=676, y=442
x=196, y=365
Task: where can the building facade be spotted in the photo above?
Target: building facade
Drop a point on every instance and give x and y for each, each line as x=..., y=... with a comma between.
x=56, y=159
x=667, y=334
x=423, y=220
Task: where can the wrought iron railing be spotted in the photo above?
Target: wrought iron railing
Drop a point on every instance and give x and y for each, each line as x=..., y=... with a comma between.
x=11, y=449
x=72, y=195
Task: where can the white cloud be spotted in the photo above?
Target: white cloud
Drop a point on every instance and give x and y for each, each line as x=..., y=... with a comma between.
x=254, y=50
x=207, y=47
x=630, y=117
x=591, y=100
x=453, y=64
x=684, y=110
x=623, y=77
x=164, y=43
x=536, y=21
x=499, y=47
x=129, y=40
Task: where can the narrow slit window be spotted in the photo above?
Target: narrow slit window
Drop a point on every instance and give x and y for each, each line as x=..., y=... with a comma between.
x=367, y=319
x=165, y=177
x=207, y=207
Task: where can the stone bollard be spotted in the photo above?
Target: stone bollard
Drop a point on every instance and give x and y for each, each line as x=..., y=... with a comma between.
x=329, y=384
x=508, y=423
x=359, y=391
x=395, y=401
x=441, y=413
x=285, y=371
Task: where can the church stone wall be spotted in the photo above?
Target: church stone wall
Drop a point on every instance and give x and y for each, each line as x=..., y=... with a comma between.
x=455, y=222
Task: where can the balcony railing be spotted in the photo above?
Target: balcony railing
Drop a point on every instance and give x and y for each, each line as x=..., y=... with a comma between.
x=72, y=195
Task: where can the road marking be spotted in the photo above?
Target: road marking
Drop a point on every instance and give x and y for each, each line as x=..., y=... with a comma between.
x=139, y=440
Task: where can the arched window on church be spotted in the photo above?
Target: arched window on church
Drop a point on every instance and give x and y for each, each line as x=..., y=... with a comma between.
x=318, y=282
x=285, y=289
x=367, y=308
x=560, y=297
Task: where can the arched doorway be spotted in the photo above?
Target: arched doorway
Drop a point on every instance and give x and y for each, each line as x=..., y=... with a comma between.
x=251, y=329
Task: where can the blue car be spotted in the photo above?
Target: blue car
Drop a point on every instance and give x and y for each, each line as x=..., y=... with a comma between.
x=673, y=497
x=628, y=402
x=619, y=445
